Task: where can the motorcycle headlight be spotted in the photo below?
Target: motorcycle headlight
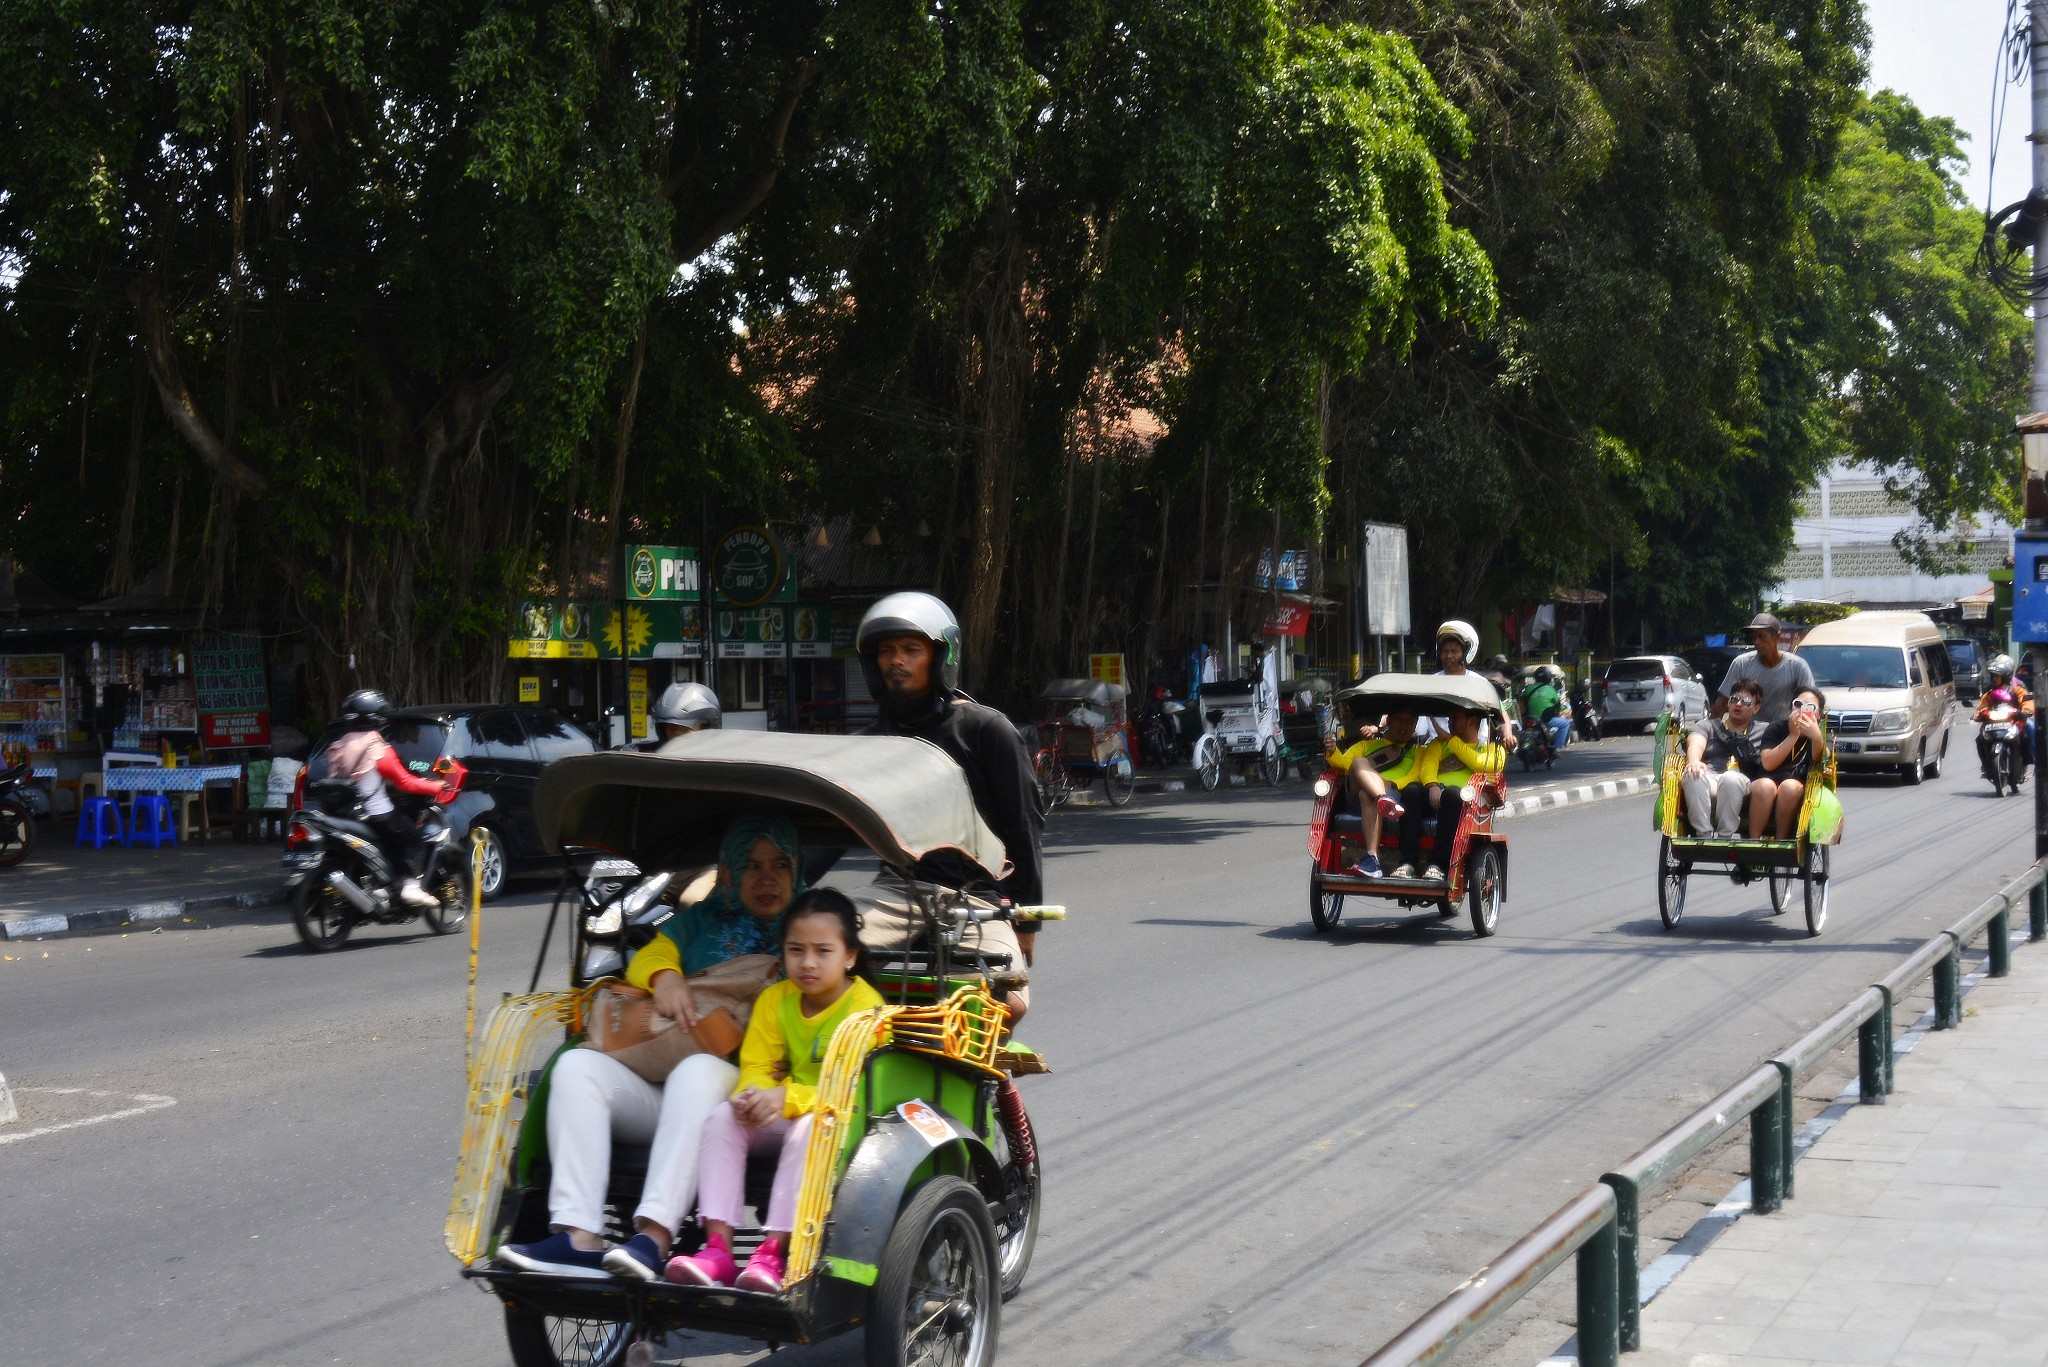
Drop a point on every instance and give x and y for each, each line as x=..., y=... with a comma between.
x=1322, y=787
x=1468, y=794
x=1897, y=719
x=646, y=895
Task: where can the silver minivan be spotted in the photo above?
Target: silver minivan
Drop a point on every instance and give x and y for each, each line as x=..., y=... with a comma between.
x=1889, y=688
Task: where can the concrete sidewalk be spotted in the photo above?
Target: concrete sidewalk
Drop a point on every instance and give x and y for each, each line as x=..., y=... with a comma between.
x=60, y=888
x=1918, y=1231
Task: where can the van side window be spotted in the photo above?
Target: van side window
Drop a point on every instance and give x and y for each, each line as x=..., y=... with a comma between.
x=1916, y=673
x=1939, y=667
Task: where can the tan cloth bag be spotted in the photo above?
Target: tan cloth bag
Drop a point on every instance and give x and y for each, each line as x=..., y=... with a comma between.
x=621, y=1020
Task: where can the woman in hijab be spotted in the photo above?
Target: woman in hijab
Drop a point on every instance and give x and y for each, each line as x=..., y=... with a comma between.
x=593, y=1098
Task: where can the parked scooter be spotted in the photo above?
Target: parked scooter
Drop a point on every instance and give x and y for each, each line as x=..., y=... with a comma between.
x=339, y=876
x=1585, y=717
x=1159, y=736
x=621, y=910
x=1998, y=741
x=17, y=817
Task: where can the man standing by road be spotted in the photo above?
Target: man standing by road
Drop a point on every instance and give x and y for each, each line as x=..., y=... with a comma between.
x=909, y=645
x=1779, y=677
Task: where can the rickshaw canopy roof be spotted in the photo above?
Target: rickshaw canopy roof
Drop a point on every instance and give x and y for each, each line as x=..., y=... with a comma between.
x=901, y=797
x=1084, y=690
x=1430, y=695
x=1229, y=689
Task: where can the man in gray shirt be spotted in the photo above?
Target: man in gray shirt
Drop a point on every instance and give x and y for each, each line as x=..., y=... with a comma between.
x=1779, y=675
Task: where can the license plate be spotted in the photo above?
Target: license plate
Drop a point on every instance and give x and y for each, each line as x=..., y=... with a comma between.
x=1849, y=747
x=1634, y=696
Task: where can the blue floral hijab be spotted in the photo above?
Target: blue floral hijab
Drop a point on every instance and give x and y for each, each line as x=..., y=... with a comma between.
x=720, y=927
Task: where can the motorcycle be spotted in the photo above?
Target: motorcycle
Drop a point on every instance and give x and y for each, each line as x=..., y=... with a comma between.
x=17, y=816
x=1585, y=717
x=1159, y=735
x=621, y=910
x=1533, y=745
x=1998, y=740
x=340, y=877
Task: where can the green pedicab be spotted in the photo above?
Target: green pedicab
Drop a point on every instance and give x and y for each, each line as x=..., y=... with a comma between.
x=1802, y=861
x=920, y=1197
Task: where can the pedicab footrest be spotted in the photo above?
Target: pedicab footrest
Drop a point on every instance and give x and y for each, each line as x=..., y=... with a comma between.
x=705, y=1309
x=967, y=1026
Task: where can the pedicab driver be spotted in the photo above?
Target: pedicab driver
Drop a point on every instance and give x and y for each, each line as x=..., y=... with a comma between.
x=909, y=646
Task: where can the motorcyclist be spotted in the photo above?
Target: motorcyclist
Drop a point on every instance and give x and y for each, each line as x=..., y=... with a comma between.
x=1999, y=678
x=682, y=709
x=1543, y=703
x=909, y=647
x=361, y=756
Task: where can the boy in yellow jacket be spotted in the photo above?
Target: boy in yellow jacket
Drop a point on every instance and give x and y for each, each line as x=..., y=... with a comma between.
x=1459, y=758
x=1378, y=767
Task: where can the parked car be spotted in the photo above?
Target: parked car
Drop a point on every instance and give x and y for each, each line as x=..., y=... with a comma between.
x=1710, y=665
x=1966, y=660
x=504, y=747
x=1637, y=689
x=1889, y=689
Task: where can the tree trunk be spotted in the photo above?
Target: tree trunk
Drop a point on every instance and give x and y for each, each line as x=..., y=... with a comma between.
x=1085, y=629
x=121, y=570
x=1000, y=370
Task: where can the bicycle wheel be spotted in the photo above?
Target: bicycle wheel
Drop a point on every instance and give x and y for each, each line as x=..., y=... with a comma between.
x=1118, y=780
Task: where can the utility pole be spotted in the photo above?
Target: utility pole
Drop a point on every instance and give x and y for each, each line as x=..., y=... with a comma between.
x=2030, y=547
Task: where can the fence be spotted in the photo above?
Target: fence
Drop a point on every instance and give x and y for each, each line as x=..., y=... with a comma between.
x=1601, y=1226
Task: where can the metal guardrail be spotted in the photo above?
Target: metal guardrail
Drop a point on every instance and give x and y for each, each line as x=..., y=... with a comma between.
x=1602, y=1226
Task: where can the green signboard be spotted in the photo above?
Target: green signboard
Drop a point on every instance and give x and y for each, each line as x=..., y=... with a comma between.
x=661, y=573
x=749, y=569
x=591, y=630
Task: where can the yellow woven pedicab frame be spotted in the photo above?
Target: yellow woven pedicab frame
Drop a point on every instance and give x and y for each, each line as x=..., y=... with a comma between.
x=520, y=1037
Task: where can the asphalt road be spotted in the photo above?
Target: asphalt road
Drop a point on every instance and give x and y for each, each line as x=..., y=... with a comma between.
x=1261, y=1144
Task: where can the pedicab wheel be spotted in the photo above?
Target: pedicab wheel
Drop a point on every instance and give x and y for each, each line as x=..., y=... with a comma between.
x=1119, y=788
x=935, y=1297
x=1816, y=888
x=319, y=915
x=1209, y=766
x=549, y=1341
x=450, y=890
x=1325, y=908
x=1269, y=763
x=1017, y=1236
x=1781, y=889
x=1671, y=873
x=17, y=833
x=1484, y=888
x=1043, y=765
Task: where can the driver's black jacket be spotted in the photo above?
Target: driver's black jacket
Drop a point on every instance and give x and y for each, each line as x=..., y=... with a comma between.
x=984, y=743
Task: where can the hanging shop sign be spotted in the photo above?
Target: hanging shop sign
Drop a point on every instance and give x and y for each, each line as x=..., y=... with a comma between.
x=1283, y=570
x=636, y=702
x=545, y=634
x=229, y=690
x=749, y=569
x=810, y=632
x=753, y=633
x=1107, y=669
x=529, y=688
x=1288, y=619
x=661, y=573
x=591, y=630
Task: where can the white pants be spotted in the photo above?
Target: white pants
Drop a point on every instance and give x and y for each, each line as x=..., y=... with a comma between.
x=1713, y=803
x=593, y=1098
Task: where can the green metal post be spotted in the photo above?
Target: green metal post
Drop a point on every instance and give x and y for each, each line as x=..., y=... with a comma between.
x=1874, y=1053
x=1628, y=1243
x=2037, y=911
x=1767, y=1155
x=1999, y=938
x=1948, y=990
x=1600, y=1300
x=1787, y=1132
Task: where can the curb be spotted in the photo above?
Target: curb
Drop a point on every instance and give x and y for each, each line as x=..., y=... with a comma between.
x=1593, y=792
x=115, y=918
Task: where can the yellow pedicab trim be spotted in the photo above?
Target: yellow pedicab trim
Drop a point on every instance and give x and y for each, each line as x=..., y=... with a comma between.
x=520, y=1037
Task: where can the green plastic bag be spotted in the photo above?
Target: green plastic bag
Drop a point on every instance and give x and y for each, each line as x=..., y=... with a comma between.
x=1824, y=825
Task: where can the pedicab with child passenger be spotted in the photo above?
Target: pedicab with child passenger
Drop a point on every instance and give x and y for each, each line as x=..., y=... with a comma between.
x=1473, y=869
x=919, y=1202
x=1803, y=859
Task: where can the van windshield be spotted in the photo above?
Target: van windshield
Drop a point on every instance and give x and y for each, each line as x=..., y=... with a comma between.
x=1856, y=666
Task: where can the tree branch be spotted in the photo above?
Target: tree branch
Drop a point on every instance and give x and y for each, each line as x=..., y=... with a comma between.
x=159, y=350
x=755, y=192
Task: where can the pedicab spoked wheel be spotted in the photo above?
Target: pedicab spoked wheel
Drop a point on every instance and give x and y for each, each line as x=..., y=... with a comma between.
x=1045, y=767
x=549, y=1341
x=319, y=915
x=1209, y=766
x=1816, y=879
x=449, y=885
x=1781, y=880
x=1324, y=907
x=1671, y=873
x=1484, y=888
x=1119, y=788
x=935, y=1297
x=1269, y=763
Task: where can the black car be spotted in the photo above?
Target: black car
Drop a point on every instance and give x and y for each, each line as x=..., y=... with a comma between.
x=504, y=747
x=1966, y=661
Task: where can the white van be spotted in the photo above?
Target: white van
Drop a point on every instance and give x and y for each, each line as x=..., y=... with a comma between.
x=1889, y=690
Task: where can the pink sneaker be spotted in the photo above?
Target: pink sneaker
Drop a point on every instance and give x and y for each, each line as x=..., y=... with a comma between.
x=764, y=1269
x=712, y=1267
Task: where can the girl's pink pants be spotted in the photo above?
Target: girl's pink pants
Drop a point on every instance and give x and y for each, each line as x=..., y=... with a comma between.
x=723, y=1167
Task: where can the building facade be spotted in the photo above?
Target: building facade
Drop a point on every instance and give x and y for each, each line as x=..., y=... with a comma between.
x=1843, y=549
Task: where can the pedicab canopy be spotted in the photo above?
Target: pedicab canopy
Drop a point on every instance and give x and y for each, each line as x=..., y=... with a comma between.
x=903, y=798
x=1093, y=692
x=1429, y=695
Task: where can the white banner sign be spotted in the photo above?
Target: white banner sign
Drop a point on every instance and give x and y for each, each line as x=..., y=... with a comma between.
x=1386, y=579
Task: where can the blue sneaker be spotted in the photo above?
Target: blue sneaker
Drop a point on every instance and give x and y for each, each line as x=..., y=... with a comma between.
x=1368, y=866
x=637, y=1259
x=553, y=1254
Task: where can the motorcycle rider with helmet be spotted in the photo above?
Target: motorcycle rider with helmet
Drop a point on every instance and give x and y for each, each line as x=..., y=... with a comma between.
x=683, y=709
x=1999, y=675
x=909, y=647
x=361, y=757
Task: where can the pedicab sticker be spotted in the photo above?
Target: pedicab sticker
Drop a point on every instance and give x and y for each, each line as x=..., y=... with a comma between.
x=926, y=1122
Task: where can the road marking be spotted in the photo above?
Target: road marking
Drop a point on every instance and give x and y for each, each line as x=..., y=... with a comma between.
x=150, y=1102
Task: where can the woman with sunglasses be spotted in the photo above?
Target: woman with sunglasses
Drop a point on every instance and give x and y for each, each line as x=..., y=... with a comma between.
x=1789, y=748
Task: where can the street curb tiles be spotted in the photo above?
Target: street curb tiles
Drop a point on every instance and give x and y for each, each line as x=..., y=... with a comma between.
x=1593, y=792
x=113, y=918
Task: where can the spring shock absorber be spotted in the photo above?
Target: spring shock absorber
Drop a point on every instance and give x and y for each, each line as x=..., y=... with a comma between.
x=1016, y=1124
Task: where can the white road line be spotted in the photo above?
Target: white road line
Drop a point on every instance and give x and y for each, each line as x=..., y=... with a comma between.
x=150, y=1102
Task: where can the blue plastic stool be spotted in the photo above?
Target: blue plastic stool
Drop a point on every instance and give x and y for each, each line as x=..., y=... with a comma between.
x=150, y=820
x=99, y=820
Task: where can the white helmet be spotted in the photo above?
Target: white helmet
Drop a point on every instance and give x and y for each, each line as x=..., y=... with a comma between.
x=687, y=704
x=911, y=614
x=2000, y=666
x=1462, y=632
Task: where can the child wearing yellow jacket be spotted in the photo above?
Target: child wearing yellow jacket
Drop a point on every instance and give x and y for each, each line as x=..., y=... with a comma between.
x=1438, y=797
x=1386, y=762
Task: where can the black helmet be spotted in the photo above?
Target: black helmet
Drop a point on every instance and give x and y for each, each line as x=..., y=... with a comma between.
x=686, y=704
x=911, y=614
x=366, y=707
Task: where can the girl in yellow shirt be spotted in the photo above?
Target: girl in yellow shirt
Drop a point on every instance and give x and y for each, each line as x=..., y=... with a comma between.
x=1462, y=758
x=780, y=1061
x=1377, y=767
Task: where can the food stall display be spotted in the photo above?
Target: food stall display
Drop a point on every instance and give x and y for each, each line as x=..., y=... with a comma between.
x=34, y=709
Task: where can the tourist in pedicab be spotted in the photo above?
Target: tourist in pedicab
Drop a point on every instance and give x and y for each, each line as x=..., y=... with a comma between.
x=1377, y=766
x=1435, y=802
x=1786, y=752
x=594, y=1097
x=1723, y=756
